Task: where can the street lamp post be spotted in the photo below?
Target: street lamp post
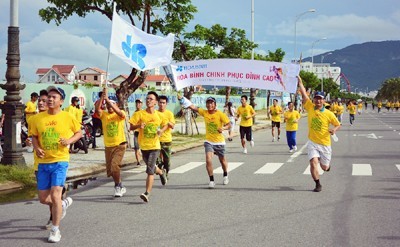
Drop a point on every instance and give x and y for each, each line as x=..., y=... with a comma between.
x=323, y=72
x=13, y=108
x=295, y=29
x=312, y=55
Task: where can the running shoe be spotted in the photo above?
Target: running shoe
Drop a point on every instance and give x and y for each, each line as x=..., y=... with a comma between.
x=252, y=143
x=295, y=148
x=245, y=150
x=279, y=138
x=49, y=225
x=291, y=151
x=66, y=203
x=211, y=185
x=119, y=191
x=55, y=236
x=318, y=188
x=225, y=180
x=163, y=177
x=144, y=197
x=273, y=139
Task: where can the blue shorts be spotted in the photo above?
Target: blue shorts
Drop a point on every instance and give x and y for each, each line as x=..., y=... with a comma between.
x=52, y=174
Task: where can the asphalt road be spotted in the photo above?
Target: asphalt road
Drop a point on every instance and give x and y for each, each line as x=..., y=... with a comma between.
x=268, y=202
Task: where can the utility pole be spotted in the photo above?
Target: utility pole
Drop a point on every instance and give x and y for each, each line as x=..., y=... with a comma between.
x=13, y=108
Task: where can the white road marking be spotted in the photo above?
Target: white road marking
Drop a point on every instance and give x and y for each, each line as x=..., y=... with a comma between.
x=187, y=167
x=362, y=170
x=231, y=166
x=398, y=167
x=296, y=154
x=308, y=172
x=269, y=168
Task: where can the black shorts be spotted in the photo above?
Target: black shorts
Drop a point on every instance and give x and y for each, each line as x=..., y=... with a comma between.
x=245, y=131
x=276, y=124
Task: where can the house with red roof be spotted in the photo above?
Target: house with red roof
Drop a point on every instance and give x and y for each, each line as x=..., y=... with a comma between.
x=94, y=76
x=116, y=82
x=57, y=74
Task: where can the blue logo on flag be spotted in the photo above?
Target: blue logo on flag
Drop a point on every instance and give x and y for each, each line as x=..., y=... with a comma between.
x=135, y=52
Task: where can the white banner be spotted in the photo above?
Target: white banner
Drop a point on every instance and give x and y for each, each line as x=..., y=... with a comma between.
x=237, y=73
x=139, y=49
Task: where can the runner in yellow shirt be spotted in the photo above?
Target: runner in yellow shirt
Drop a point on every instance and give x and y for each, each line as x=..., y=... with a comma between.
x=319, y=144
x=388, y=105
x=149, y=122
x=164, y=161
x=275, y=111
x=113, y=122
x=52, y=132
x=339, y=112
x=246, y=114
x=359, y=107
x=379, y=106
x=397, y=105
x=31, y=107
x=216, y=122
x=351, y=108
x=291, y=118
x=74, y=110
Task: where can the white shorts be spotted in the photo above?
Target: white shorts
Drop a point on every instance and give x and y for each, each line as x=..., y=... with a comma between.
x=324, y=153
x=232, y=121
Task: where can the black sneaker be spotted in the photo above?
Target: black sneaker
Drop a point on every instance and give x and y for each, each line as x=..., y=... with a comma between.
x=163, y=177
x=144, y=197
x=318, y=188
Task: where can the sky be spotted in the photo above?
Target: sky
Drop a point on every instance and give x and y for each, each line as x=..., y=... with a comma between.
x=84, y=42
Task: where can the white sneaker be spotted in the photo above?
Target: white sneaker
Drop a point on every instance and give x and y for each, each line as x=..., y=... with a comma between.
x=225, y=180
x=119, y=191
x=245, y=150
x=49, y=225
x=273, y=139
x=66, y=203
x=295, y=148
x=252, y=143
x=55, y=236
x=291, y=151
x=211, y=185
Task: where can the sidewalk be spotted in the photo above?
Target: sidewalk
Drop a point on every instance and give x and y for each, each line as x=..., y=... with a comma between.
x=84, y=166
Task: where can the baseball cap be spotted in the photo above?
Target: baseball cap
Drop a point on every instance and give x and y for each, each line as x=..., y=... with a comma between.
x=57, y=90
x=138, y=100
x=319, y=94
x=211, y=99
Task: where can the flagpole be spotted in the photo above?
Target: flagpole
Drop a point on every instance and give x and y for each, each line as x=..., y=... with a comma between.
x=108, y=66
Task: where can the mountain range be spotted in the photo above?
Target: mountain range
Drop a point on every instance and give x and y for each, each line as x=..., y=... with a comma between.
x=365, y=65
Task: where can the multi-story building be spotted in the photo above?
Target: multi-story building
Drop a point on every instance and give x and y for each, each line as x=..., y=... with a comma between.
x=58, y=74
x=93, y=76
x=322, y=70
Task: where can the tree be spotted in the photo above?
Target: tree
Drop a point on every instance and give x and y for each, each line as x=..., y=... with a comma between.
x=152, y=16
x=390, y=90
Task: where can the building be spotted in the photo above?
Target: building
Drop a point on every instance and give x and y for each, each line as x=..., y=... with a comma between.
x=119, y=79
x=94, y=76
x=322, y=70
x=158, y=83
x=58, y=74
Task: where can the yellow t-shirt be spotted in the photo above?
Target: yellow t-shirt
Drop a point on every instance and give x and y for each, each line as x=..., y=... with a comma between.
x=113, y=128
x=318, y=124
x=388, y=104
x=167, y=135
x=351, y=109
x=340, y=109
x=35, y=158
x=379, y=104
x=290, y=117
x=77, y=113
x=148, y=137
x=359, y=106
x=213, y=122
x=334, y=108
x=397, y=104
x=276, y=113
x=30, y=110
x=49, y=129
x=243, y=112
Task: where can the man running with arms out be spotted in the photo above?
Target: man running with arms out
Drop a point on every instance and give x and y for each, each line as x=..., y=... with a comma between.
x=319, y=144
x=53, y=131
x=275, y=111
x=246, y=114
x=148, y=122
x=291, y=119
x=164, y=161
x=113, y=122
x=216, y=122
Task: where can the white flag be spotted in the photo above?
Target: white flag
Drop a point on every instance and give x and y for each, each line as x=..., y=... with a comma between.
x=140, y=50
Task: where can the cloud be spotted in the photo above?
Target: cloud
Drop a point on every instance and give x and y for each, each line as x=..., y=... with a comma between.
x=57, y=46
x=337, y=27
